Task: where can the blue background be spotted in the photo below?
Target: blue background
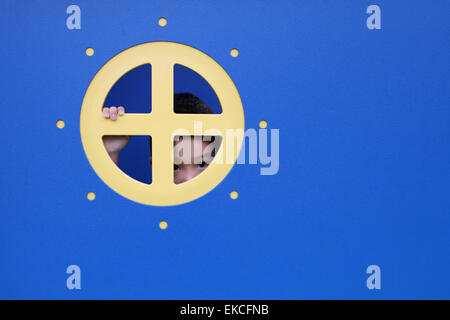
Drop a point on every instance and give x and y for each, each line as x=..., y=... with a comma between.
x=364, y=155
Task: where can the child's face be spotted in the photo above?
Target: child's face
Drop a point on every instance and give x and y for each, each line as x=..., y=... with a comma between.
x=190, y=158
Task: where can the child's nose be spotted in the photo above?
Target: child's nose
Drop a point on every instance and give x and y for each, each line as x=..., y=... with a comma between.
x=189, y=174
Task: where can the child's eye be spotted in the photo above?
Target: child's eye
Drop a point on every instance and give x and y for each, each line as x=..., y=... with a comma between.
x=202, y=165
x=176, y=167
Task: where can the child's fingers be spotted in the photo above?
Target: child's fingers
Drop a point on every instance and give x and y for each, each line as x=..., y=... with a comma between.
x=106, y=112
x=113, y=113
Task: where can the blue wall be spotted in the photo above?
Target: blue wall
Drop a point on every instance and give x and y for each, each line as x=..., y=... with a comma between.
x=364, y=159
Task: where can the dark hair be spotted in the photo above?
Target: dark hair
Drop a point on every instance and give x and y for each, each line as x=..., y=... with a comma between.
x=188, y=103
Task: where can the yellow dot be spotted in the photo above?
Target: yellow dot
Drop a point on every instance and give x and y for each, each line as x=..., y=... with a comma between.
x=162, y=22
x=234, y=53
x=89, y=52
x=60, y=124
x=91, y=196
x=263, y=124
x=163, y=225
x=234, y=195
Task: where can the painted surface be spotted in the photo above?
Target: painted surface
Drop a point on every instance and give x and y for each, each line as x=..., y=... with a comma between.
x=364, y=155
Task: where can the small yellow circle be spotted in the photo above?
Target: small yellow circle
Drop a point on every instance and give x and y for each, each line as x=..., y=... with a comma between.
x=90, y=52
x=234, y=195
x=91, y=196
x=60, y=124
x=162, y=22
x=263, y=124
x=234, y=53
x=163, y=225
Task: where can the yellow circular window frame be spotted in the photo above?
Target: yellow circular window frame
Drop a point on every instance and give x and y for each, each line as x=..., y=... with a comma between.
x=160, y=124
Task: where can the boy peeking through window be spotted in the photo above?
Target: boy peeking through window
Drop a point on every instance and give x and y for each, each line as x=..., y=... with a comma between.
x=190, y=153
